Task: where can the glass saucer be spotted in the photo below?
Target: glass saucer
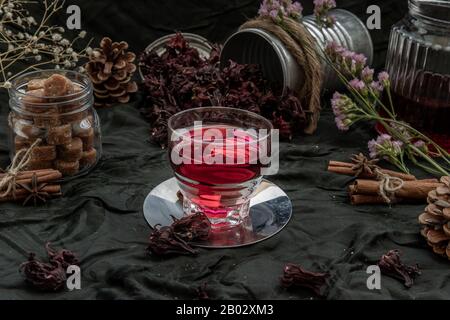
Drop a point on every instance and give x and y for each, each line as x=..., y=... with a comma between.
x=270, y=212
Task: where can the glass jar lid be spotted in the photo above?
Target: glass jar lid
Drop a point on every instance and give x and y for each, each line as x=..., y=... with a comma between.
x=435, y=10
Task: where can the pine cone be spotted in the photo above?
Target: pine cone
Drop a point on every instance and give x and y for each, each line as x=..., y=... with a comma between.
x=436, y=219
x=110, y=68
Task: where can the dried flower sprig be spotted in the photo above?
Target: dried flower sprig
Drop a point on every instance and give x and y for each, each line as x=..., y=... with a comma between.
x=34, y=43
x=363, y=103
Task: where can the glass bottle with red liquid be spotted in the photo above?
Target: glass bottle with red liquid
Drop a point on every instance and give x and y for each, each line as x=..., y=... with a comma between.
x=218, y=156
x=418, y=63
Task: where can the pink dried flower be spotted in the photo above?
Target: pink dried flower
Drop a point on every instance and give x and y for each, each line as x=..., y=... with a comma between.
x=385, y=147
x=344, y=110
x=347, y=61
x=367, y=75
x=383, y=78
x=321, y=11
x=278, y=10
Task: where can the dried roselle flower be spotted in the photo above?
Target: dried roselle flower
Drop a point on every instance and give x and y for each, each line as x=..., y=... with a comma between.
x=64, y=258
x=43, y=276
x=180, y=79
x=202, y=293
x=195, y=227
x=391, y=265
x=296, y=276
x=163, y=241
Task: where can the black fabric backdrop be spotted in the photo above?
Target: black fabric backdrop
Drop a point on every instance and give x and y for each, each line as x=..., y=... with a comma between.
x=100, y=216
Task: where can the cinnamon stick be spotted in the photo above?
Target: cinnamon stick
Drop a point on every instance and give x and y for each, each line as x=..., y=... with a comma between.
x=21, y=193
x=43, y=176
x=414, y=190
x=360, y=199
x=346, y=169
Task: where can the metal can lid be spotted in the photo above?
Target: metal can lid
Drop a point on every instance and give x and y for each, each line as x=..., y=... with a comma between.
x=437, y=10
x=195, y=41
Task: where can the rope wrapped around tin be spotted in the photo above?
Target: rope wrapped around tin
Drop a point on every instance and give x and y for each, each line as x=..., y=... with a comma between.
x=302, y=46
x=20, y=161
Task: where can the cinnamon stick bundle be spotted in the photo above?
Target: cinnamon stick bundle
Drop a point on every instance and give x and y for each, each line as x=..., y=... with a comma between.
x=345, y=168
x=367, y=191
x=21, y=193
x=42, y=183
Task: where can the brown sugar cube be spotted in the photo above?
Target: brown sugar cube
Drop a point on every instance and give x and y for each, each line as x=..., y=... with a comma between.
x=57, y=86
x=32, y=101
x=47, y=120
x=71, y=151
x=26, y=129
x=59, y=135
x=87, y=137
x=43, y=153
x=35, y=84
x=21, y=143
x=72, y=117
x=39, y=165
x=67, y=168
x=89, y=158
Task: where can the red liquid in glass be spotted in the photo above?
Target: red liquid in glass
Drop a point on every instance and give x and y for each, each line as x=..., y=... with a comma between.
x=203, y=179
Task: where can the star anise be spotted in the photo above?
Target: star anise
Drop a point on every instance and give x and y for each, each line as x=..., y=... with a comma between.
x=363, y=165
x=35, y=191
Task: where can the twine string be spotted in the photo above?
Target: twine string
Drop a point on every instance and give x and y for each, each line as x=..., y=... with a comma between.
x=302, y=45
x=388, y=186
x=19, y=162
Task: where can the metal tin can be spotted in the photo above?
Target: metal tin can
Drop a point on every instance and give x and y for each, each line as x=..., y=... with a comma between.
x=257, y=46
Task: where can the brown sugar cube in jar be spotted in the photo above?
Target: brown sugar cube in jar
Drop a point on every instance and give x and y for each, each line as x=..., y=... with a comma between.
x=57, y=86
x=73, y=116
x=48, y=119
x=32, y=101
x=21, y=143
x=89, y=158
x=43, y=153
x=39, y=165
x=71, y=151
x=67, y=168
x=35, y=84
x=59, y=135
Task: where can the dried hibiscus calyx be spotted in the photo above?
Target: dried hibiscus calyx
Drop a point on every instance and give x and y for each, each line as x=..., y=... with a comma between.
x=64, y=257
x=163, y=241
x=296, y=276
x=43, y=276
x=48, y=276
x=391, y=265
x=192, y=228
x=181, y=79
x=177, y=238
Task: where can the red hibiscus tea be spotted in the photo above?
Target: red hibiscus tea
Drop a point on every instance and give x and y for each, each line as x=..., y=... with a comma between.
x=218, y=159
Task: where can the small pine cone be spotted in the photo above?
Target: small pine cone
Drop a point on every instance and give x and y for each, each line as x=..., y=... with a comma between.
x=436, y=219
x=110, y=69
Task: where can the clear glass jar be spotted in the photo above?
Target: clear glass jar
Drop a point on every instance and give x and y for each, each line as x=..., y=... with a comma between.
x=55, y=106
x=419, y=65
